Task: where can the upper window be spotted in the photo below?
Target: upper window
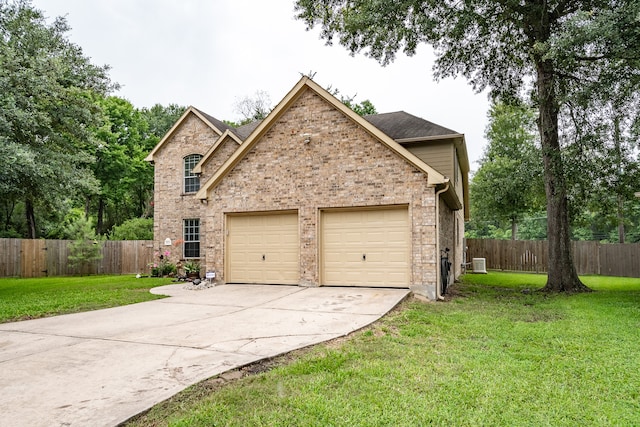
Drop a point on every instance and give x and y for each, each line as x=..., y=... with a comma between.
x=191, y=180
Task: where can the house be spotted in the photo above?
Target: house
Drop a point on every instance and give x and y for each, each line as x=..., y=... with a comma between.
x=314, y=195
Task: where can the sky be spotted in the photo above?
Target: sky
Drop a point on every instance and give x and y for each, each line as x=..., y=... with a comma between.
x=212, y=53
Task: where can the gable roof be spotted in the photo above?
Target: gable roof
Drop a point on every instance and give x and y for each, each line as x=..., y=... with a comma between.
x=216, y=125
x=245, y=130
x=222, y=126
x=433, y=176
x=228, y=134
x=401, y=125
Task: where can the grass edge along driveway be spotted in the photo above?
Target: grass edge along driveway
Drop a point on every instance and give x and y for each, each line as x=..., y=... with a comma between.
x=495, y=354
x=22, y=299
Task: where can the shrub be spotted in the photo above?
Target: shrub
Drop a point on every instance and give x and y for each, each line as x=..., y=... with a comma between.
x=86, y=246
x=133, y=229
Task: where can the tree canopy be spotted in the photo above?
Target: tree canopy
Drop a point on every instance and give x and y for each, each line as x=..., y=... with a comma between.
x=508, y=184
x=543, y=50
x=47, y=109
x=65, y=144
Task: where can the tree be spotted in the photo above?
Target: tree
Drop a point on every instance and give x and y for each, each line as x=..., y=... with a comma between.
x=160, y=119
x=46, y=110
x=509, y=47
x=253, y=108
x=126, y=180
x=133, y=229
x=86, y=246
x=508, y=184
x=364, y=108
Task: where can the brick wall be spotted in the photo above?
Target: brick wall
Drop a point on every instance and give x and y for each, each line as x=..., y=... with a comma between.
x=342, y=166
x=171, y=205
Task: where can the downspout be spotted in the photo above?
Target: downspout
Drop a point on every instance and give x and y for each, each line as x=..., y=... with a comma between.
x=438, y=273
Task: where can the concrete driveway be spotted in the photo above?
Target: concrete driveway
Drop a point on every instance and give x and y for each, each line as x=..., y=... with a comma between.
x=103, y=367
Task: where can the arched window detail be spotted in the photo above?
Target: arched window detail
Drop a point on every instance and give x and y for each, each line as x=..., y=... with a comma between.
x=191, y=180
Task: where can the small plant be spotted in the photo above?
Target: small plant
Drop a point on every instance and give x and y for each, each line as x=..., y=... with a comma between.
x=164, y=267
x=86, y=246
x=191, y=267
x=168, y=269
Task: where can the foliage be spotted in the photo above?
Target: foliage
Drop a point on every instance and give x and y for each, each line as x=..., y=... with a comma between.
x=46, y=110
x=363, y=108
x=163, y=266
x=133, y=229
x=253, y=108
x=22, y=299
x=64, y=143
x=126, y=179
x=86, y=247
x=191, y=266
x=160, y=119
x=495, y=354
x=508, y=185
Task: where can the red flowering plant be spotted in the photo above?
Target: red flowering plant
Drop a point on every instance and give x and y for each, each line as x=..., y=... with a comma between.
x=163, y=265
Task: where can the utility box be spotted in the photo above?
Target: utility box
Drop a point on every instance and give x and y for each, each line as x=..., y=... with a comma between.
x=479, y=265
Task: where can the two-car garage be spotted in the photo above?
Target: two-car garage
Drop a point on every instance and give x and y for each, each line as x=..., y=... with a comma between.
x=358, y=247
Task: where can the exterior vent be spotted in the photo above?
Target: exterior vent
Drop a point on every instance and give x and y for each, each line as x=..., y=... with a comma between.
x=479, y=265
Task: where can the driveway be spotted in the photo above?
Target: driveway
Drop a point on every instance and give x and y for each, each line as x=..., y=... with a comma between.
x=103, y=367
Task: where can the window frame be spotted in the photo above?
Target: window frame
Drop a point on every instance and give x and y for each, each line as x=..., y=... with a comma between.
x=191, y=237
x=190, y=180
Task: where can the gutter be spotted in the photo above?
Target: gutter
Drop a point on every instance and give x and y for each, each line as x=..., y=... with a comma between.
x=447, y=183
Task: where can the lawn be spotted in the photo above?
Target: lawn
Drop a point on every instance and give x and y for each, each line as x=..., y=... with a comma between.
x=22, y=299
x=495, y=354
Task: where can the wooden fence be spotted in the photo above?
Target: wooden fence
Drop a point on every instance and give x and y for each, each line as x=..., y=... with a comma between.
x=40, y=258
x=527, y=255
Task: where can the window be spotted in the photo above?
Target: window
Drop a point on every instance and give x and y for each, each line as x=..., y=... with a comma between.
x=191, y=238
x=191, y=180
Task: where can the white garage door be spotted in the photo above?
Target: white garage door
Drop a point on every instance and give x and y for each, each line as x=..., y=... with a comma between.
x=263, y=249
x=366, y=248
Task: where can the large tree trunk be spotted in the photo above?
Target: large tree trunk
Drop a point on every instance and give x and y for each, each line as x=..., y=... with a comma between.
x=31, y=219
x=100, y=220
x=562, y=275
x=514, y=229
x=620, y=218
x=616, y=140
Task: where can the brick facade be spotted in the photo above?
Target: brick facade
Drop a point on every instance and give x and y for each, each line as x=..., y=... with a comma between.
x=341, y=166
x=171, y=204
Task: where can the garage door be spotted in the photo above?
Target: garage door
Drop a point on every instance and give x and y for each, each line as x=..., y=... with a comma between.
x=263, y=249
x=366, y=248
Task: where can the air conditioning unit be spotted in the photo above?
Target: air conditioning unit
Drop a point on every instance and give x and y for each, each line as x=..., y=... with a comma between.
x=479, y=265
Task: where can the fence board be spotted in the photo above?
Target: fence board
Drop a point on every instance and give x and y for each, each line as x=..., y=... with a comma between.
x=528, y=255
x=39, y=258
x=33, y=258
x=8, y=250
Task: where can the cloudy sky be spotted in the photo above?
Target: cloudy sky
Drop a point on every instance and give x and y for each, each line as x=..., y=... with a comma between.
x=211, y=53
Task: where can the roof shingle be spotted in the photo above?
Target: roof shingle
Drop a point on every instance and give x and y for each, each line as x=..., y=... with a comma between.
x=402, y=125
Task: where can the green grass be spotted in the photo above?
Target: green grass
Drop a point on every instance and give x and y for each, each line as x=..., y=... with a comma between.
x=493, y=355
x=22, y=299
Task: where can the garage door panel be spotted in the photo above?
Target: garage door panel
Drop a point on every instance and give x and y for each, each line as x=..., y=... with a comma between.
x=381, y=235
x=263, y=249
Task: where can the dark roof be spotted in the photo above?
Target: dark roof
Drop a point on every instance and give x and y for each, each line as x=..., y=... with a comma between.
x=241, y=132
x=217, y=123
x=401, y=125
x=397, y=125
x=245, y=130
